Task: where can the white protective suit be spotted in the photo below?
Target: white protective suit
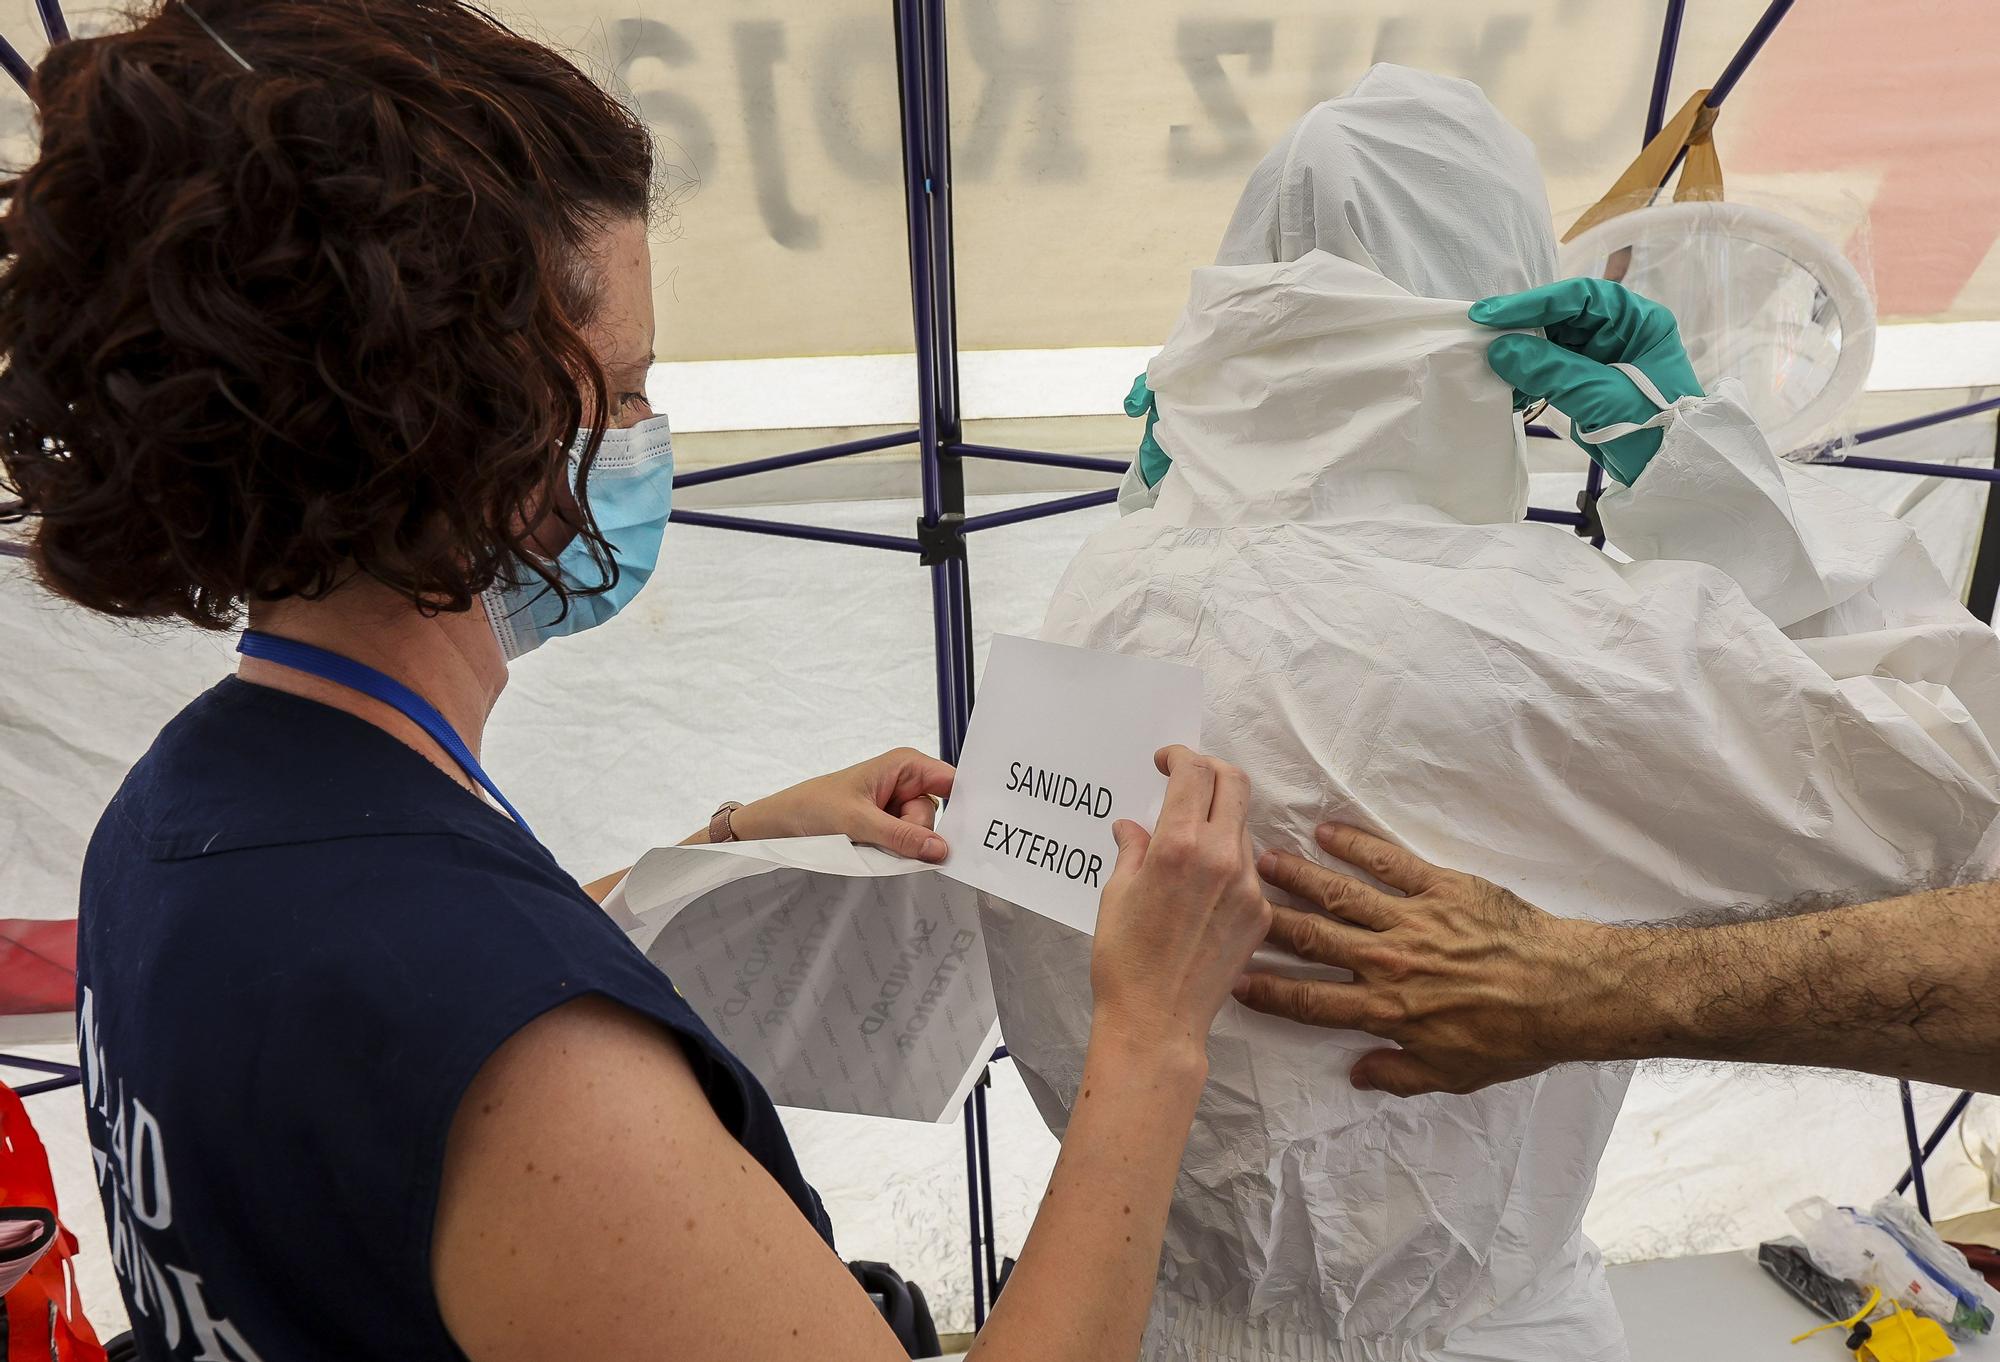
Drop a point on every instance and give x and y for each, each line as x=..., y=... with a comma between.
x=1780, y=696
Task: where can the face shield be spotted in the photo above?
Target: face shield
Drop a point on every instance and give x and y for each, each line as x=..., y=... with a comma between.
x=1759, y=298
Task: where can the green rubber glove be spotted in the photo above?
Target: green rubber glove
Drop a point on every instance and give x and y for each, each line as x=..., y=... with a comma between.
x=1153, y=461
x=1593, y=324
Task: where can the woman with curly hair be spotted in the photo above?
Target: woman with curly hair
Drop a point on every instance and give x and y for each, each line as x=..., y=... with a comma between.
x=336, y=314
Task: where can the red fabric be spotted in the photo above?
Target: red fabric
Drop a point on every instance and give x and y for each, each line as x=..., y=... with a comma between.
x=35, y=1333
x=37, y=966
x=1984, y=1259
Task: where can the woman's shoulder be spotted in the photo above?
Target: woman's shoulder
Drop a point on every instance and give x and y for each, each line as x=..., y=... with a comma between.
x=277, y=869
x=418, y=925
x=288, y=856
x=370, y=975
x=247, y=766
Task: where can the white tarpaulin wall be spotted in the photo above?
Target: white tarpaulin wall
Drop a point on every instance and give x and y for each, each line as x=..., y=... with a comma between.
x=1099, y=147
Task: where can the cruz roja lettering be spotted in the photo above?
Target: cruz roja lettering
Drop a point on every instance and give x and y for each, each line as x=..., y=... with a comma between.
x=1072, y=863
x=1053, y=787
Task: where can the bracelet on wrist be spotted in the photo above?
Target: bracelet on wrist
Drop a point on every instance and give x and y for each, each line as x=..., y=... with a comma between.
x=721, y=825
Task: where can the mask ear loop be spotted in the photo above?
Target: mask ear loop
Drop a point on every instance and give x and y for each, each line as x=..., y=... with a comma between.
x=1618, y=430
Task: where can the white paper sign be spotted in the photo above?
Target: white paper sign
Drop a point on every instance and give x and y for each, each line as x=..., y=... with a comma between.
x=845, y=978
x=1060, y=748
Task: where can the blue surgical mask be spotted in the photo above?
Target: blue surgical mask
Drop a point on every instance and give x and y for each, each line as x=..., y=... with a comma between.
x=631, y=492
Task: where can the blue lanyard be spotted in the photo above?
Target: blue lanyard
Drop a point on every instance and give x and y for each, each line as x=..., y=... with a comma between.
x=342, y=671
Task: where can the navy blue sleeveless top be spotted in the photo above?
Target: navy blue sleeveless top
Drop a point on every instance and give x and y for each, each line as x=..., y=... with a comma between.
x=300, y=941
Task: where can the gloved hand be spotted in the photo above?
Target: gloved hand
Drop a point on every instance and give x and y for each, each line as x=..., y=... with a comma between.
x=1593, y=324
x=1153, y=460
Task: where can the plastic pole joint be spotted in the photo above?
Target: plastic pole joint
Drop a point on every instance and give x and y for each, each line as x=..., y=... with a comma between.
x=1586, y=504
x=943, y=542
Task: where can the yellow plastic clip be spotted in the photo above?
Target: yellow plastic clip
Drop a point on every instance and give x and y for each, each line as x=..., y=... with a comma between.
x=1874, y=1299
x=1905, y=1337
x=1898, y=1337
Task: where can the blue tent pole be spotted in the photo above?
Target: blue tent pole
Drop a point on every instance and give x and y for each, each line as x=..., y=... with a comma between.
x=42, y=1066
x=1767, y=24
x=1041, y=509
x=1963, y=472
x=1656, y=115
x=991, y=1266
x=785, y=529
x=944, y=295
x=15, y=64
x=1725, y=84
x=926, y=141
x=1002, y=454
x=972, y=1151
x=1909, y=424
x=1663, y=67
x=747, y=467
x=1969, y=472
x=916, y=192
x=957, y=663
x=66, y=1075
x=1958, y=1106
x=53, y=22
x=1916, y=1149
x=944, y=358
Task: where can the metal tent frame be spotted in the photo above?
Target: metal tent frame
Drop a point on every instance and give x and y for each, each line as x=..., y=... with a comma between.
x=943, y=530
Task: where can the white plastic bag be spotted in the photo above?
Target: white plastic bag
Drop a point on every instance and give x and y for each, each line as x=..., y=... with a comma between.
x=845, y=978
x=1891, y=1247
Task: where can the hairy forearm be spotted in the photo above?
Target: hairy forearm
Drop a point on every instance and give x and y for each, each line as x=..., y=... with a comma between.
x=1903, y=987
x=1085, y=1278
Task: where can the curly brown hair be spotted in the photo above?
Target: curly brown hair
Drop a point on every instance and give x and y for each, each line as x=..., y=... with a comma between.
x=263, y=328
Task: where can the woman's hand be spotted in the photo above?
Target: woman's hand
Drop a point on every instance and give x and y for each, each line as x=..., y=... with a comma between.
x=889, y=802
x=1182, y=912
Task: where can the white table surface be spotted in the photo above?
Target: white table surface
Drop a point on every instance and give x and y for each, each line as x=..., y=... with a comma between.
x=1718, y=1308
x=1724, y=1308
